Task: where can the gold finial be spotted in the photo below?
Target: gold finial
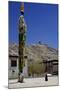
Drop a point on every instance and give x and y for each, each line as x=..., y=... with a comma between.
x=22, y=7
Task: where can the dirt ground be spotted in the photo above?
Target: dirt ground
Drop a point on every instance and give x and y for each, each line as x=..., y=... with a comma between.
x=34, y=82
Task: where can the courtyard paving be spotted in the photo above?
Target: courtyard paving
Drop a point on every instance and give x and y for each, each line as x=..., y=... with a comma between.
x=34, y=82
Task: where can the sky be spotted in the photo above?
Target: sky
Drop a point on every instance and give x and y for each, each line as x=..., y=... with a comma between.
x=41, y=20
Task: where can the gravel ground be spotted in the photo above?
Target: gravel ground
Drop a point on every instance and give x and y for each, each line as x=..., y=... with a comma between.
x=34, y=82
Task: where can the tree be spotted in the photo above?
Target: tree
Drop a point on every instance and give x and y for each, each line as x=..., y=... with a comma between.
x=36, y=67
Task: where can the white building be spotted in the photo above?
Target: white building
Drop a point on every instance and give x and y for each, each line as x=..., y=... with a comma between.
x=13, y=64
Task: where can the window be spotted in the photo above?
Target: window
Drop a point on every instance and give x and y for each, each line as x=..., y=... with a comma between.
x=13, y=63
x=25, y=57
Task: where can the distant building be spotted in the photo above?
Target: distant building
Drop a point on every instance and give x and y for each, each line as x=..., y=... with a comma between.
x=51, y=66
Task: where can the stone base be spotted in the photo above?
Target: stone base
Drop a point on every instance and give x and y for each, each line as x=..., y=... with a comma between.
x=20, y=78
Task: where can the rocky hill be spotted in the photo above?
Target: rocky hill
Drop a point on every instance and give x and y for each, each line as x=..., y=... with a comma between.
x=36, y=52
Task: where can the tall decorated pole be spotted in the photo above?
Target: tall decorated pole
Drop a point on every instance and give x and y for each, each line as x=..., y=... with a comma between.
x=22, y=39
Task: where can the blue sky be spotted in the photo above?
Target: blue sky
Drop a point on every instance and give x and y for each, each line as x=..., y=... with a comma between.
x=41, y=20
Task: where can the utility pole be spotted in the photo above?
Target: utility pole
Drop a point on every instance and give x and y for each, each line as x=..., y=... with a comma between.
x=22, y=39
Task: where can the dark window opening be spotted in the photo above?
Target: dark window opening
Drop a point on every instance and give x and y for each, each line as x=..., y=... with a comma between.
x=25, y=57
x=13, y=63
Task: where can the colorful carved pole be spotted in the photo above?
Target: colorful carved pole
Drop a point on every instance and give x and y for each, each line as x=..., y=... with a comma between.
x=22, y=39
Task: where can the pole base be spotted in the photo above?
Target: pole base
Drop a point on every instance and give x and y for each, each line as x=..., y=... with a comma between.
x=20, y=81
x=20, y=78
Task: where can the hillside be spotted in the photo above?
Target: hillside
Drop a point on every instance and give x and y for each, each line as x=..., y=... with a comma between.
x=36, y=52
